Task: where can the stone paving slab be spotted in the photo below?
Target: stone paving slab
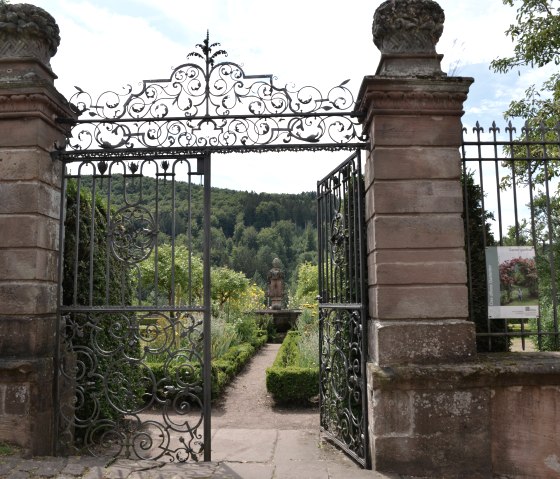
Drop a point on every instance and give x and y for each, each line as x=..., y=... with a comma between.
x=299, y=446
x=240, y=454
x=245, y=471
x=244, y=445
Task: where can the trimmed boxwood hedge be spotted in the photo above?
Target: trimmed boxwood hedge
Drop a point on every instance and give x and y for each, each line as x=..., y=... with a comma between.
x=224, y=369
x=287, y=382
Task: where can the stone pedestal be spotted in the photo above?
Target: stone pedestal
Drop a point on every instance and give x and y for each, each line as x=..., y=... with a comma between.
x=29, y=225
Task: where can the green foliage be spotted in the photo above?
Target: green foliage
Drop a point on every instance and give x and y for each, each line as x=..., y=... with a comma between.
x=248, y=229
x=7, y=449
x=308, y=343
x=179, y=264
x=536, y=38
x=288, y=382
x=227, y=285
x=227, y=361
x=86, y=254
x=306, y=287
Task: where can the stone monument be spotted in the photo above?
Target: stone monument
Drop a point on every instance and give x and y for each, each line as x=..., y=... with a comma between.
x=275, y=285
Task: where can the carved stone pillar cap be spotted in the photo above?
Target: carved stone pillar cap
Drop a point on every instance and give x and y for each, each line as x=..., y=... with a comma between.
x=27, y=31
x=406, y=32
x=408, y=26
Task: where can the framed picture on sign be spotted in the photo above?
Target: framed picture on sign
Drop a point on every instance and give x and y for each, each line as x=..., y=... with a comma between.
x=512, y=282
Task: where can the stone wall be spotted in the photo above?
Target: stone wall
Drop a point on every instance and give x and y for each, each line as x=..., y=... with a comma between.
x=504, y=407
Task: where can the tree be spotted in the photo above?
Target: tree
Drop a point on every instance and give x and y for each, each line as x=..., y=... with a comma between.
x=178, y=266
x=227, y=285
x=536, y=37
x=306, y=286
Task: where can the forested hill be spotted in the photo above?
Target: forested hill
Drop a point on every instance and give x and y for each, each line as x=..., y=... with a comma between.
x=248, y=229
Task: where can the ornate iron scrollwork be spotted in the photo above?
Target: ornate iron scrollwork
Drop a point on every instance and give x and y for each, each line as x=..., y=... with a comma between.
x=342, y=309
x=132, y=234
x=209, y=105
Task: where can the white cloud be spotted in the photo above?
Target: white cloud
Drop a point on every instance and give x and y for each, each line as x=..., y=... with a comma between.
x=320, y=42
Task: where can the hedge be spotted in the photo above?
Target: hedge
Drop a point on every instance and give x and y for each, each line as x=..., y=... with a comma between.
x=287, y=382
x=224, y=369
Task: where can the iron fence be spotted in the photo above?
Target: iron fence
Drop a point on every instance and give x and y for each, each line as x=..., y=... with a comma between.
x=512, y=230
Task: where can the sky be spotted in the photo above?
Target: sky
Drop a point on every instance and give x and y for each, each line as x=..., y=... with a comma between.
x=107, y=44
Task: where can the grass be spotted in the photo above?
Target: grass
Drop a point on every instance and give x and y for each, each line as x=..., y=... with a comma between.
x=7, y=449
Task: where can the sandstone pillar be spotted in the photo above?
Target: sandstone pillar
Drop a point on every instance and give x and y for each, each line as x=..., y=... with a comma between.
x=29, y=225
x=418, y=305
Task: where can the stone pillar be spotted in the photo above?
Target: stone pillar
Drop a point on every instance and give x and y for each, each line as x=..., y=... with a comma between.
x=418, y=305
x=29, y=225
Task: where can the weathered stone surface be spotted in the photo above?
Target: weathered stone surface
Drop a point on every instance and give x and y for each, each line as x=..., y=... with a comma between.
x=27, y=336
x=27, y=415
x=394, y=413
x=451, y=412
x=422, y=302
x=372, y=303
x=36, y=130
x=417, y=266
x=418, y=342
x=29, y=264
x=29, y=231
x=427, y=196
x=506, y=403
x=29, y=224
x=495, y=370
x=415, y=163
x=411, y=26
x=29, y=164
x=17, y=399
x=409, y=130
x=459, y=456
x=27, y=31
x=526, y=431
x=420, y=256
x=26, y=298
x=413, y=99
x=370, y=236
x=13, y=430
x=17, y=198
x=420, y=273
x=418, y=231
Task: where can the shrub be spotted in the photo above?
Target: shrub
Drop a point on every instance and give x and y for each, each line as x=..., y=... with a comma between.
x=115, y=370
x=288, y=382
x=308, y=341
x=224, y=368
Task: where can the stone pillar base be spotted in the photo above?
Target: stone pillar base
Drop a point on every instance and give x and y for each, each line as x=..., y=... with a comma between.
x=421, y=341
x=26, y=404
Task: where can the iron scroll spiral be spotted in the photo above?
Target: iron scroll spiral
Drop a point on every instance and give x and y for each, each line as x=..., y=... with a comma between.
x=204, y=104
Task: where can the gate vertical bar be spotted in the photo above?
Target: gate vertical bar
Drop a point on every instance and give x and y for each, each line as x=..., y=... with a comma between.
x=207, y=328
x=57, y=351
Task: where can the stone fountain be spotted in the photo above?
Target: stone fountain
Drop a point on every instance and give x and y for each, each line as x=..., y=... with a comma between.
x=283, y=319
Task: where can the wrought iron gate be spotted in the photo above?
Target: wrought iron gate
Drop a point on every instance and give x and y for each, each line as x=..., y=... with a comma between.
x=134, y=355
x=343, y=309
x=135, y=313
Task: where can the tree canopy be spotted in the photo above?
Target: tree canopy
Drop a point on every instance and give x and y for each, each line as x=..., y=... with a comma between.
x=536, y=38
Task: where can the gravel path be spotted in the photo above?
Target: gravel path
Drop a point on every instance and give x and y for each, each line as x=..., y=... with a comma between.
x=247, y=404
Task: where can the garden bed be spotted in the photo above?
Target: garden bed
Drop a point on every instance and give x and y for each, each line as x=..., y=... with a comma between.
x=224, y=368
x=286, y=380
